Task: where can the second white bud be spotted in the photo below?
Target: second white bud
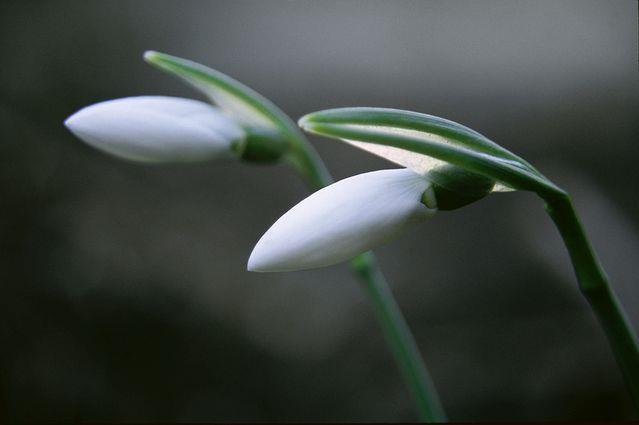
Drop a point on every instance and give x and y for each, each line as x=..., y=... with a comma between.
x=158, y=129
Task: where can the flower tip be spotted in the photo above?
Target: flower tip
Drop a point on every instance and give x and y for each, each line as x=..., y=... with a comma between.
x=68, y=123
x=256, y=262
x=74, y=122
x=268, y=256
x=250, y=266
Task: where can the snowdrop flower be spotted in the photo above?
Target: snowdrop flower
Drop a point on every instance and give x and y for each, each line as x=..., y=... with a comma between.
x=343, y=220
x=158, y=129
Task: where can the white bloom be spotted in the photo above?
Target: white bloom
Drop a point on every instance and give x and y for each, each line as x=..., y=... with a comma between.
x=157, y=129
x=343, y=220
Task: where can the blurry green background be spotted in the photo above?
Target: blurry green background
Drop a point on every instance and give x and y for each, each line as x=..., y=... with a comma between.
x=124, y=290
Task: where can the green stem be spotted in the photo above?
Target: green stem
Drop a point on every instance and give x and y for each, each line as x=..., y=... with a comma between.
x=595, y=286
x=400, y=339
x=303, y=157
x=394, y=326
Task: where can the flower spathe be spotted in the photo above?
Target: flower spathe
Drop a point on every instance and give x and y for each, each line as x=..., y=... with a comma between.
x=343, y=220
x=158, y=129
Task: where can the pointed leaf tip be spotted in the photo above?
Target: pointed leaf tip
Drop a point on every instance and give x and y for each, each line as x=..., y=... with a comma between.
x=150, y=55
x=305, y=121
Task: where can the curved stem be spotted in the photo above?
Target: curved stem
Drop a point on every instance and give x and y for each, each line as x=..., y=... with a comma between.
x=231, y=94
x=396, y=331
x=400, y=339
x=595, y=286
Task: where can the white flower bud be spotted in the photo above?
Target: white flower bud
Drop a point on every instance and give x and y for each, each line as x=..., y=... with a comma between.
x=158, y=129
x=343, y=220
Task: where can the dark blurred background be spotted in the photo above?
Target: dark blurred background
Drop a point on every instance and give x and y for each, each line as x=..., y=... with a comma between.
x=124, y=290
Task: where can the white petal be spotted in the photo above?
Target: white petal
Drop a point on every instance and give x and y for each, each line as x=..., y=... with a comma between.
x=157, y=129
x=342, y=220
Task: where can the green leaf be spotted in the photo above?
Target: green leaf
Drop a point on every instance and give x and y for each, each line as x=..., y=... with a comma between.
x=249, y=107
x=423, y=142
